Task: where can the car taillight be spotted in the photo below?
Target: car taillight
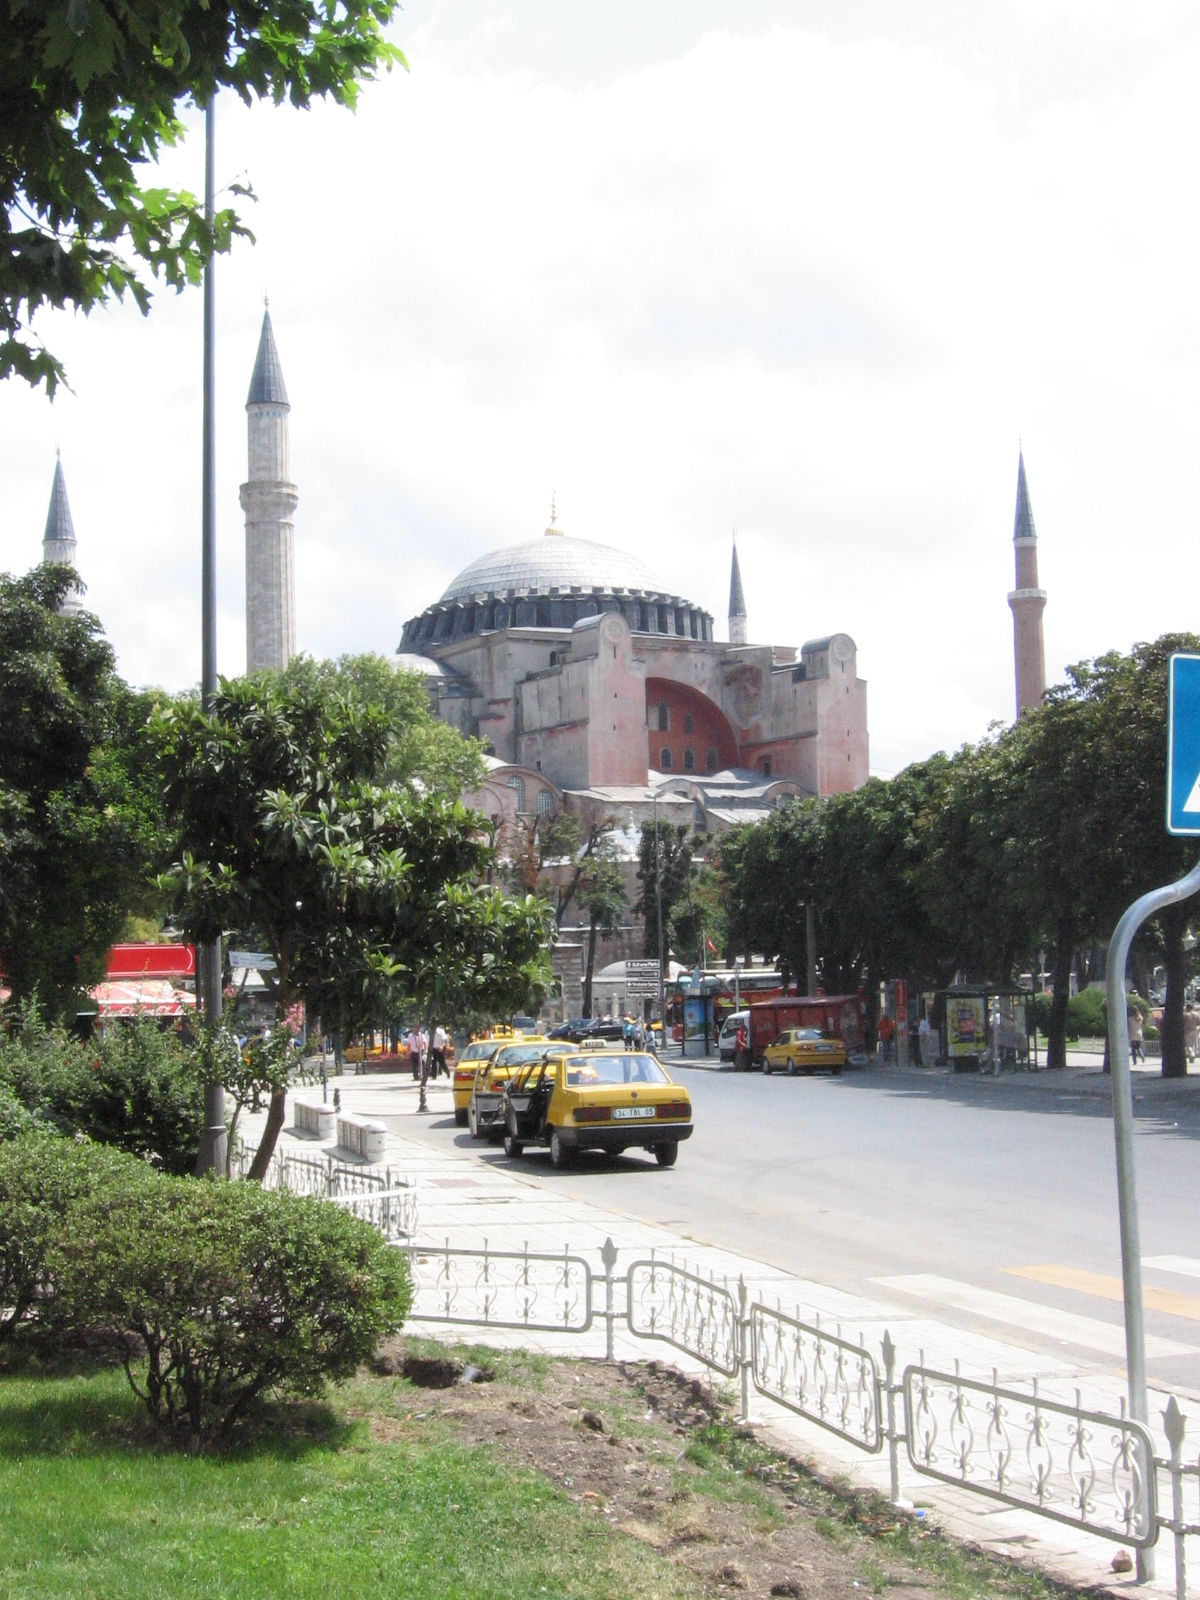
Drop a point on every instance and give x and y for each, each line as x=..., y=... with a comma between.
x=675, y=1108
x=592, y=1114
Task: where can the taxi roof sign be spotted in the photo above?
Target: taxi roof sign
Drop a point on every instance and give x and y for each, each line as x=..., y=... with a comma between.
x=1183, y=744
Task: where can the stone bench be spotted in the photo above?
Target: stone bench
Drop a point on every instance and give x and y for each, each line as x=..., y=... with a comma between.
x=362, y=1136
x=314, y=1117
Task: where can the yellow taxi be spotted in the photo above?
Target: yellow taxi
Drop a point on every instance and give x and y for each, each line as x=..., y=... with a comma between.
x=610, y=1100
x=485, y=1111
x=476, y=1056
x=804, y=1050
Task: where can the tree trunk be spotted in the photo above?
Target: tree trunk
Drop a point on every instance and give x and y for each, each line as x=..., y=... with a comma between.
x=1064, y=957
x=591, y=964
x=1173, y=923
x=262, y=1156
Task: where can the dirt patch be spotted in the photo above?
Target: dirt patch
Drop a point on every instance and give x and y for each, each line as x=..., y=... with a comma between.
x=654, y=1454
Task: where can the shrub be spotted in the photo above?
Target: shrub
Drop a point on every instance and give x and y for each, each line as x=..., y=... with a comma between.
x=1087, y=1015
x=43, y=1179
x=224, y=1291
x=138, y=1088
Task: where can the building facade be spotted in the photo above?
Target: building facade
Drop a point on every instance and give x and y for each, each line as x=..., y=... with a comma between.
x=572, y=660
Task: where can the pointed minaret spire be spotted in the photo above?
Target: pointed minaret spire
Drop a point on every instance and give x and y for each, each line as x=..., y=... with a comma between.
x=269, y=501
x=58, y=541
x=1027, y=602
x=737, y=601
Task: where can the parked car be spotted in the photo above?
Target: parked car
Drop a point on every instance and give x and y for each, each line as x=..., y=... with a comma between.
x=580, y=1028
x=728, y=1034
x=608, y=1100
x=485, y=1108
x=804, y=1050
x=474, y=1057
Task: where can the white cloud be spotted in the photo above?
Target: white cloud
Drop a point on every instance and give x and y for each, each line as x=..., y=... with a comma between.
x=807, y=279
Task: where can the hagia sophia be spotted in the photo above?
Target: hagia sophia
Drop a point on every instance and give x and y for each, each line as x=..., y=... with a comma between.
x=593, y=686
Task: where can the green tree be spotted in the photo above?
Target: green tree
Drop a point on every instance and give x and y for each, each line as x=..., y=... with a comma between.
x=90, y=93
x=603, y=898
x=420, y=749
x=81, y=822
x=675, y=867
x=367, y=898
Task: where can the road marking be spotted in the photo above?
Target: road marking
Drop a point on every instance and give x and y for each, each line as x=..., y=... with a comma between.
x=1106, y=1288
x=1182, y=1266
x=1064, y=1327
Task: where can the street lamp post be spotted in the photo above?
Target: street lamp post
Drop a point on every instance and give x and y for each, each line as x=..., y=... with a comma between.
x=662, y=1004
x=212, y=1154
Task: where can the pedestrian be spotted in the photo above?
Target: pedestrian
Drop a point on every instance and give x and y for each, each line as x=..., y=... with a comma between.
x=923, y=1046
x=1136, y=1050
x=1191, y=1031
x=423, y=1036
x=887, y=1032
x=414, y=1052
x=440, y=1040
x=739, y=1048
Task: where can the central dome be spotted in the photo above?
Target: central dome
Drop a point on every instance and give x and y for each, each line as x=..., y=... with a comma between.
x=553, y=562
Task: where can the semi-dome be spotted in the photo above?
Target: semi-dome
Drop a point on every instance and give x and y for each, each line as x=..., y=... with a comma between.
x=553, y=582
x=553, y=562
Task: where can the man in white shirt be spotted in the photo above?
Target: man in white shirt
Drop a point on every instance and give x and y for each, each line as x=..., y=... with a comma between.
x=440, y=1041
x=414, y=1052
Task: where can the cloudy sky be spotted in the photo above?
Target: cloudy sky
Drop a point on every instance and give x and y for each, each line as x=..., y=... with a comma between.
x=807, y=270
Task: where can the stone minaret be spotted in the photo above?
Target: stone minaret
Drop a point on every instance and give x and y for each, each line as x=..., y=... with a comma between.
x=737, y=602
x=1027, y=602
x=269, y=500
x=58, y=541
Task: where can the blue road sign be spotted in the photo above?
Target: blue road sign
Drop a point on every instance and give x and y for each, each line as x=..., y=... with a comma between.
x=1183, y=745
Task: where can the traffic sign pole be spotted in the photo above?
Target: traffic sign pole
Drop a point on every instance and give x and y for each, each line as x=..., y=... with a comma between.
x=1183, y=817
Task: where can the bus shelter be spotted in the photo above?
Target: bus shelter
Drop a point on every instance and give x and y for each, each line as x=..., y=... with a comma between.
x=986, y=1027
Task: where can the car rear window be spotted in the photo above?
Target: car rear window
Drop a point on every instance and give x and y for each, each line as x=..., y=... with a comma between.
x=590, y=1070
x=477, y=1052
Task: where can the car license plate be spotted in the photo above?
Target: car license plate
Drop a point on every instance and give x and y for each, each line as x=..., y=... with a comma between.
x=632, y=1113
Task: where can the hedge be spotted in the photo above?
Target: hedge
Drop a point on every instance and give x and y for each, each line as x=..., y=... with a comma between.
x=43, y=1181
x=222, y=1291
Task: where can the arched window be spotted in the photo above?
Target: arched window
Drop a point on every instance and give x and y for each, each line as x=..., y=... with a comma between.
x=687, y=722
x=689, y=760
x=519, y=785
x=664, y=758
x=664, y=717
x=545, y=803
x=710, y=760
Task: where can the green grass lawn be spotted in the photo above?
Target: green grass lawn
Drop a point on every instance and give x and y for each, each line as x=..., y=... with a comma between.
x=93, y=1505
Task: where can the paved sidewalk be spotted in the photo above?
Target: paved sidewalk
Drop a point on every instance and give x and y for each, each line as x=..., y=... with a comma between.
x=469, y=1194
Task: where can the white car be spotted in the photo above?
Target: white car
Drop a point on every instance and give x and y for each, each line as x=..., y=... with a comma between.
x=728, y=1033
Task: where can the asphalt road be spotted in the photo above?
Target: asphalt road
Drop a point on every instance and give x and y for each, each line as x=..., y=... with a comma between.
x=978, y=1182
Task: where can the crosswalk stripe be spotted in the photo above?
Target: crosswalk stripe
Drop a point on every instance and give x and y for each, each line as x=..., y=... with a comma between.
x=1182, y=1266
x=1065, y=1327
x=1106, y=1288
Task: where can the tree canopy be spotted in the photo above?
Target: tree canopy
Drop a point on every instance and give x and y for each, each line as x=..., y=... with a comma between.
x=90, y=93
x=81, y=821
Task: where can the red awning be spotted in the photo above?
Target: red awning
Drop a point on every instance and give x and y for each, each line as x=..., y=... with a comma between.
x=152, y=961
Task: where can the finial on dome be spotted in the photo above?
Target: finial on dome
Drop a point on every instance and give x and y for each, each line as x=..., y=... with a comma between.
x=553, y=530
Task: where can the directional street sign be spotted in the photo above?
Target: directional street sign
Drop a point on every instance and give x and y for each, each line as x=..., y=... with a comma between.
x=1183, y=745
x=641, y=979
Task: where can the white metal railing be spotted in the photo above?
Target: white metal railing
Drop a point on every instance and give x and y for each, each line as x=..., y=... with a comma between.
x=1090, y=1469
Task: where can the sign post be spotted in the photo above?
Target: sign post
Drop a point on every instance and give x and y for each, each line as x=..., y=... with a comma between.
x=1183, y=818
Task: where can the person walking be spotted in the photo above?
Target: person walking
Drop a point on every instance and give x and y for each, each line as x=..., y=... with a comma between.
x=886, y=1032
x=440, y=1040
x=414, y=1052
x=1191, y=1031
x=739, y=1048
x=1136, y=1035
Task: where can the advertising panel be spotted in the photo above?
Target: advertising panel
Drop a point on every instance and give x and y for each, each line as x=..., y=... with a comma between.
x=965, y=1031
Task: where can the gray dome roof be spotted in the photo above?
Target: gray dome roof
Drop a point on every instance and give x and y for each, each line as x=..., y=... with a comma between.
x=555, y=561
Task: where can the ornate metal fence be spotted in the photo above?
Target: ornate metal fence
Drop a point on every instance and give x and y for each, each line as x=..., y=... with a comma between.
x=502, y=1289
x=818, y=1375
x=1086, y=1468
x=382, y=1197
x=697, y=1315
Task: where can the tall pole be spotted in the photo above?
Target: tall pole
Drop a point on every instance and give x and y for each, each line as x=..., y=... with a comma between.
x=1122, y=1094
x=212, y=1154
x=662, y=1004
